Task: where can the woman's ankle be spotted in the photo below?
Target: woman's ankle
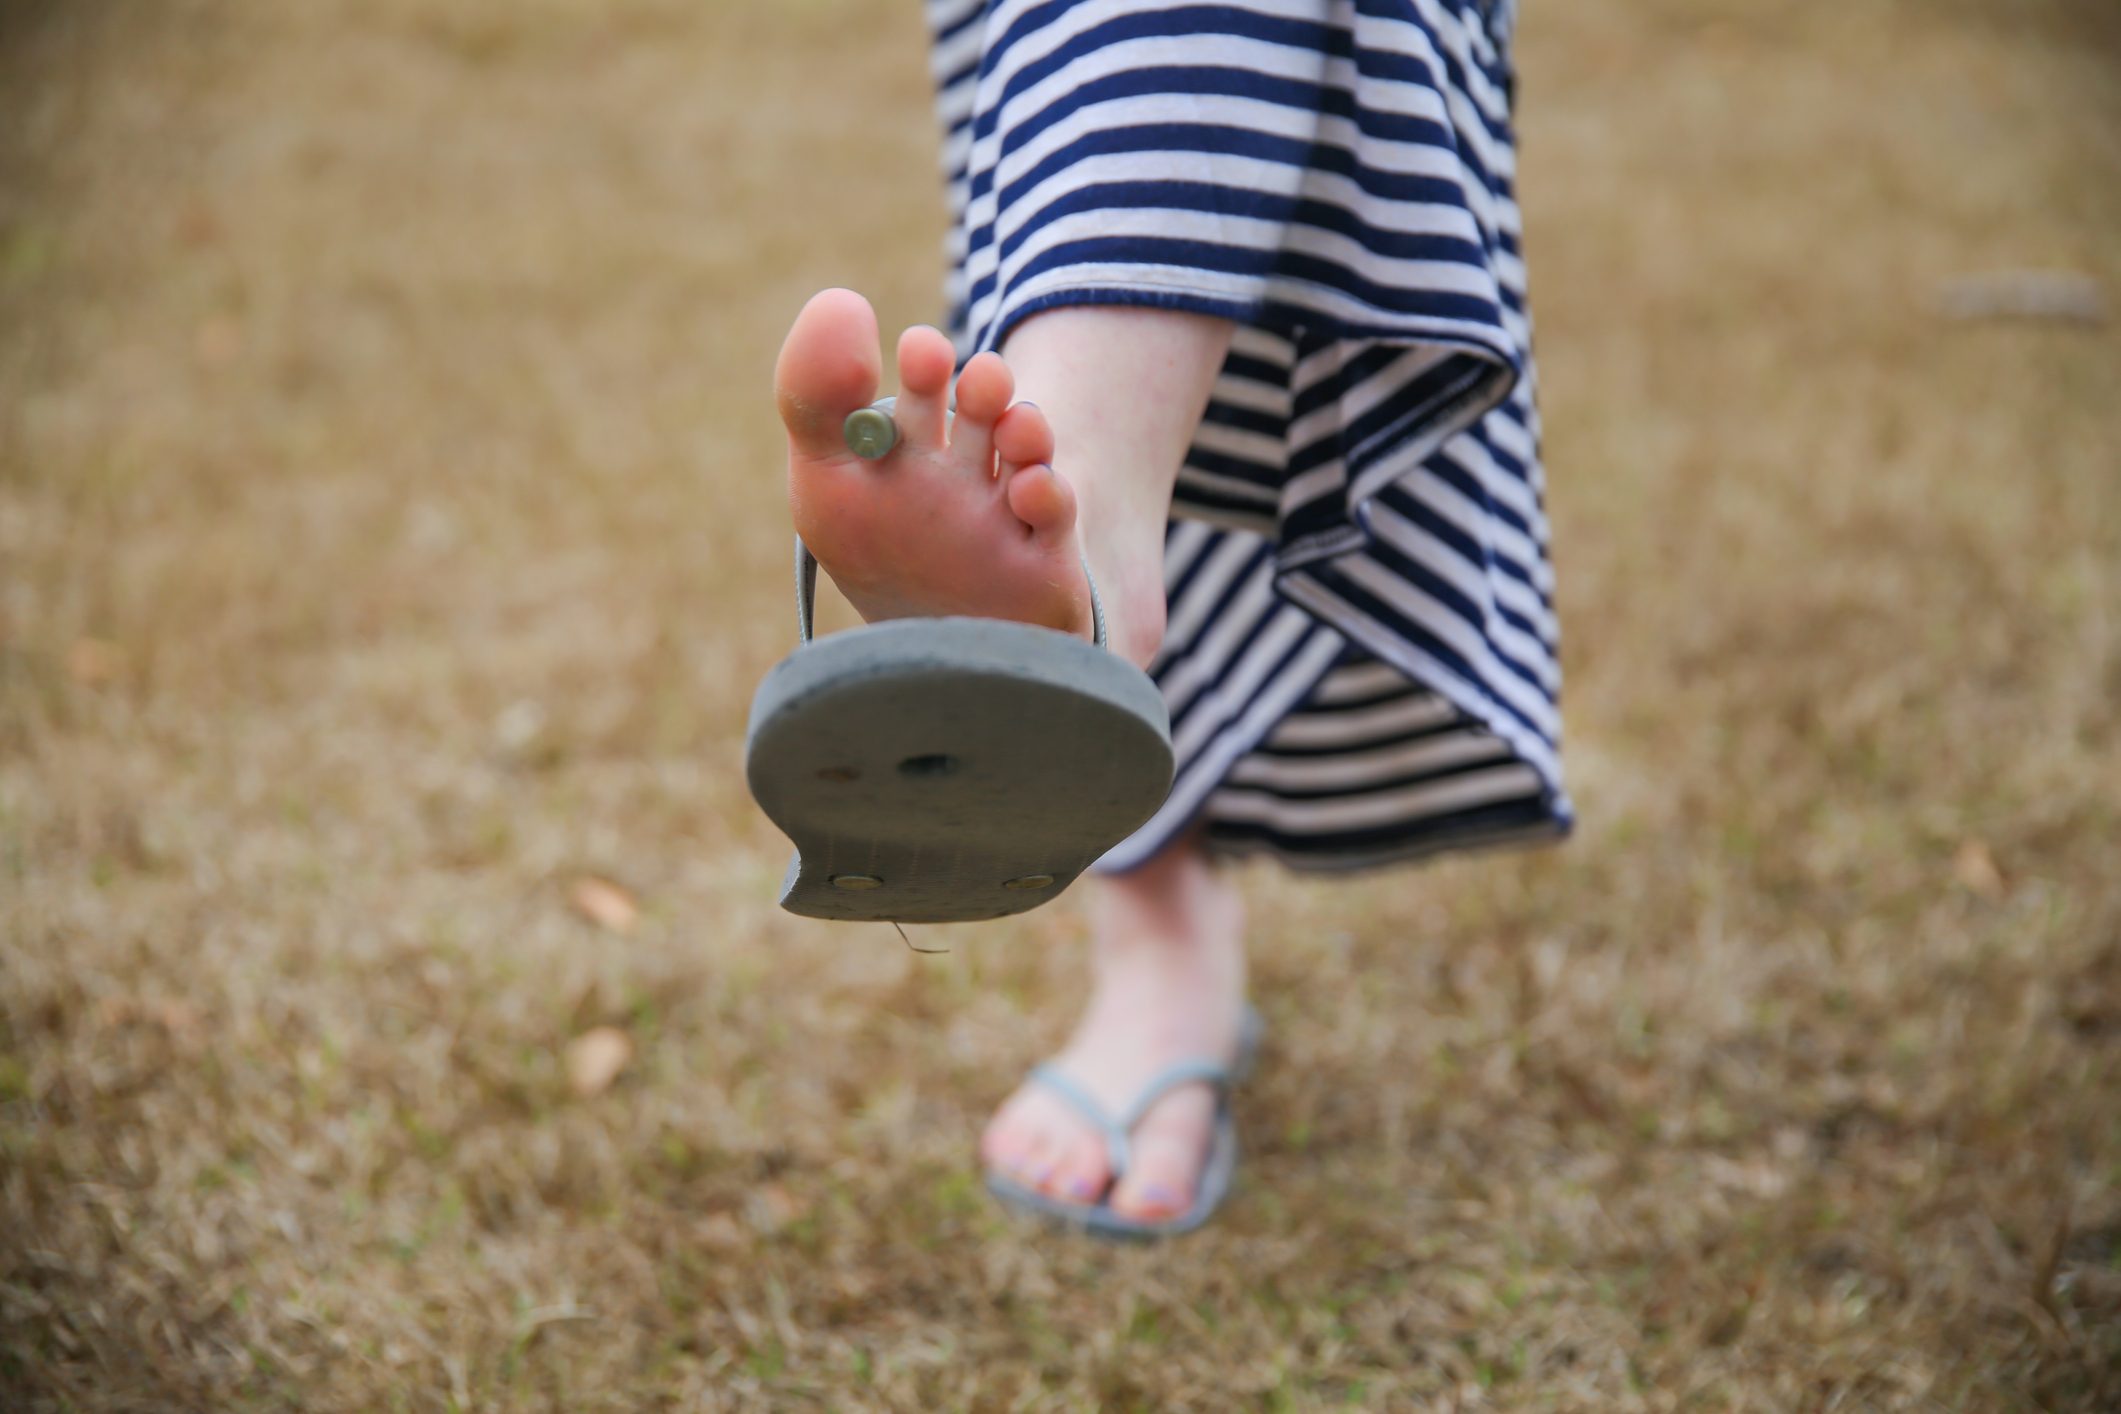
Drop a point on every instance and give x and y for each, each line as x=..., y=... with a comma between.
x=1131, y=589
x=1124, y=389
x=1178, y=913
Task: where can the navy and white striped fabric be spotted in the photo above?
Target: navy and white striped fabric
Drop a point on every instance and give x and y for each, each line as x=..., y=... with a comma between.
x=1360, y=662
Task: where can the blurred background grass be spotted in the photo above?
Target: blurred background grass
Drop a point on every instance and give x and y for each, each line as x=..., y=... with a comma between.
x=391, y=535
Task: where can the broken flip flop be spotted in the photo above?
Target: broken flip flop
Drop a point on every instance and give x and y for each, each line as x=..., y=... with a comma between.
x=948, y=769
x=1216, y=1174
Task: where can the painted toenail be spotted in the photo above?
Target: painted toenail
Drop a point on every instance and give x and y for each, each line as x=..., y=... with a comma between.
x=1082, y=1190
x=1158, y=1196
x=870, y=433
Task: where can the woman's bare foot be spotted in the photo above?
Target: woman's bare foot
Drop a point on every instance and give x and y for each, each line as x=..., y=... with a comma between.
x=970, y=517
x=1170, y=987
x=964, y=516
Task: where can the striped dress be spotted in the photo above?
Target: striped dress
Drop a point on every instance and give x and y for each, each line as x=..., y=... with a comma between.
x=1360, y=660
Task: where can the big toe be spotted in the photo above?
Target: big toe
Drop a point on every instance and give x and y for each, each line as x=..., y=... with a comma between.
x=1081, y=1171
x=1009, y=1139
x=828, y=367
x=1170, y=1149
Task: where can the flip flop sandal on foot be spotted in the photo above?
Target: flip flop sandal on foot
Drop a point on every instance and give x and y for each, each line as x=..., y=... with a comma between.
x=1217, y=1171
x=949, y=769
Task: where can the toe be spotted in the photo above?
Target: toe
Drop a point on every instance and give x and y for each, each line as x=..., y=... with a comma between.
x=1081, y=1173
x=1038, y=495
x=1007, y=1139
x=1025, y=1139
x=1022, y=436
x=1169, y=1150
x=983, y=392
x=828, y=367
x=924, y=360
x=1002, y=1139
x=1043, y=501
x=1038, y=1159
x=1158, y=1188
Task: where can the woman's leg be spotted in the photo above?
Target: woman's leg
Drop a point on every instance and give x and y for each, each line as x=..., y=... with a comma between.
x=983, y=516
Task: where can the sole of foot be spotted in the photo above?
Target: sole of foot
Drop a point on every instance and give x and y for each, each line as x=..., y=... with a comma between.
x=965, y=515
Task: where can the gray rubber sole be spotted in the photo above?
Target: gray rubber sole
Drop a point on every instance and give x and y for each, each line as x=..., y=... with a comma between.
x=952, y=769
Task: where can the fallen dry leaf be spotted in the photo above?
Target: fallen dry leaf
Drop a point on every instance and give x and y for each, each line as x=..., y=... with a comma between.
x=135, y=1011
x=219, y=340
x=198, y=226
x=516, y=729
x=595, y=1058
x=2053, y=296
x=1975, y=868
x=772, y=1207
x=179, y=1020
x=94, y=661
x=604, y=904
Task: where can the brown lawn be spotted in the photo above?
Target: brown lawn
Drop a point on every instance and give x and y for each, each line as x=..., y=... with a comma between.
x=390, y=539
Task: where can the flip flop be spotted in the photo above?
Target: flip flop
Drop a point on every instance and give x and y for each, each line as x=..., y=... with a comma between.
x=1098, y=1220
x=949, y=769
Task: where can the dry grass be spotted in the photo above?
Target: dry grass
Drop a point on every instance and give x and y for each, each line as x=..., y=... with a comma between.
x=389, y=537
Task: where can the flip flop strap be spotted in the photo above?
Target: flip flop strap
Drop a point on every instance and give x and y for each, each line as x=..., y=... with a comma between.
x=806, y=574
x=1118, y=1133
